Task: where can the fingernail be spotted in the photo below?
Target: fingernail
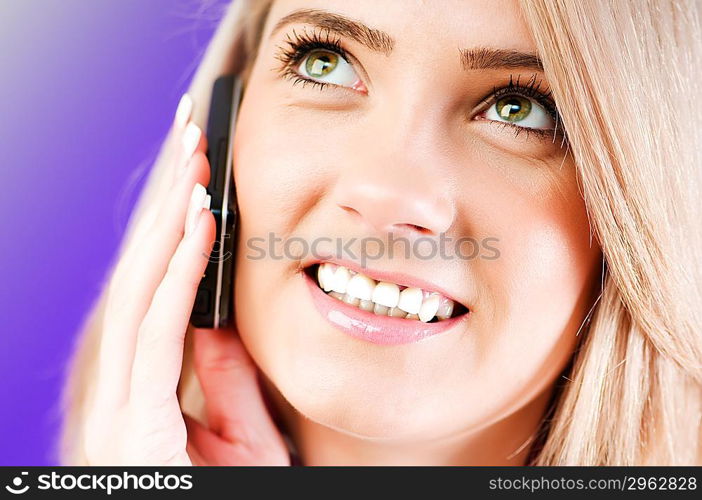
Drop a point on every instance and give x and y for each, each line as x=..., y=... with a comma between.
x=185, y=107
x=191, y=138
x=199, y=199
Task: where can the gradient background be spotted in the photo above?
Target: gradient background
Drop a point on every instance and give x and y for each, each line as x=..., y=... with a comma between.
x=87, y=93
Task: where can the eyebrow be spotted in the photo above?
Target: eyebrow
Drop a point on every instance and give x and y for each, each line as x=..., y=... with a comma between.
x=474, y=58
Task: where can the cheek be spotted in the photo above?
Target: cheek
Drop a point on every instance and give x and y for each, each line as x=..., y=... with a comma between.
x=270, y=176
x=283, y=158
x=541, y=286
x=547, y=261
x=281, y=168
x=532, y=298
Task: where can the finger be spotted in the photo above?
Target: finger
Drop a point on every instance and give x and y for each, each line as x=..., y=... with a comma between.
x=185, y=140
x=155, y=438
x=165, y=222
x=228, y=377
x=132, y=292
x=159, y=345
x=192, y=447
x=203, y=446
x=211, y=449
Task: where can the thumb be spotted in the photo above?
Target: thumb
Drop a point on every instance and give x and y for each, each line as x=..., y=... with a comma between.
x=233, y=401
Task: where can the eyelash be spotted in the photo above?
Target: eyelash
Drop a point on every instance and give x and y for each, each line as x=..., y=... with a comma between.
x=299, y=47
x=301, y=44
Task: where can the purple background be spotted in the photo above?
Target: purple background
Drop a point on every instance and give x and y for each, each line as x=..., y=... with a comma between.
x=87, y=93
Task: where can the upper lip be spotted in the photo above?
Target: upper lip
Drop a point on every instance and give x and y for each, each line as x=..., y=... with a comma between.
x=388, y=276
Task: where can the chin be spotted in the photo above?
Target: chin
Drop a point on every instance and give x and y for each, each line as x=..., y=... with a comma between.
x=385, y=393
x=363, y=407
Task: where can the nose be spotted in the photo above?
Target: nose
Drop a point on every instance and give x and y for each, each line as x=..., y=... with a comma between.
x=390, y=199
x=396, y=189
x=388, y=203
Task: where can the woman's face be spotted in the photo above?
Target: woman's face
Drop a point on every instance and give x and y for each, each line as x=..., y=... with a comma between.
x=407, y=141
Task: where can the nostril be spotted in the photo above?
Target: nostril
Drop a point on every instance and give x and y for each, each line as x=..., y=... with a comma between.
x=350, y=210
x=415, y=228
x=381, y=220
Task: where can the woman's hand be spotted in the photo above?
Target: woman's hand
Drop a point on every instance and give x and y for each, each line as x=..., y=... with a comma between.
x=135, y=417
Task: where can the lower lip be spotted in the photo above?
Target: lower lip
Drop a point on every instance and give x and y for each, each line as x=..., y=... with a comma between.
x=371, y=327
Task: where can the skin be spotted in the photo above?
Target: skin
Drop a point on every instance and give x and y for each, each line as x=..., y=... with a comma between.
x=304, y=169
x=134, y=416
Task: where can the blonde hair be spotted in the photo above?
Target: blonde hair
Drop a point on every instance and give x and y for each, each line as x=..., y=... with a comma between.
x=625, y=76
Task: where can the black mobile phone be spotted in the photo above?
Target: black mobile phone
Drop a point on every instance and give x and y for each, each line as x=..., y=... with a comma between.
x=213, y=307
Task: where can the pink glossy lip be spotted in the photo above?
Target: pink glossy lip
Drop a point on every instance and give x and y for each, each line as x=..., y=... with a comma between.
x=370, y=327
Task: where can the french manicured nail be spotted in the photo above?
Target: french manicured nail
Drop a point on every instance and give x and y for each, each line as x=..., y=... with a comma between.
x=185, y=107
x=199, y=199
x=191, y=138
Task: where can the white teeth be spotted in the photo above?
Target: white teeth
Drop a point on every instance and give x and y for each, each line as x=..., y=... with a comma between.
x=396, y=312
x=361, y=286
x=386, y=294
x=429, y=308
x=382, y=298
x=340, y=280
x=320, y=276
x=366, y=305
x=381, y=310
x=325, y=275
x=350, y=299
x=410, y=300
x=445, y=308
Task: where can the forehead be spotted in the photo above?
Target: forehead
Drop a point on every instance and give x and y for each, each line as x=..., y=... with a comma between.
x=425, y=23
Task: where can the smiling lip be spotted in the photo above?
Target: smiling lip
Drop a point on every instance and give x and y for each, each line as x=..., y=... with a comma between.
x=371, y=327
x=391, y=277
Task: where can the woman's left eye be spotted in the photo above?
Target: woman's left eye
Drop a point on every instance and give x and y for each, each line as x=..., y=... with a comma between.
x=520, y=111
x=320, y=64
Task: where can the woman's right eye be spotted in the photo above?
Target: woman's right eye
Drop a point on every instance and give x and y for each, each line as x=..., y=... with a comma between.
x=327, y=67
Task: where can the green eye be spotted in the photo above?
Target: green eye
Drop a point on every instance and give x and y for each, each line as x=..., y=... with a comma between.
x=513, y=108
x=320, y=63
x=520, y=111
x=325, y=66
